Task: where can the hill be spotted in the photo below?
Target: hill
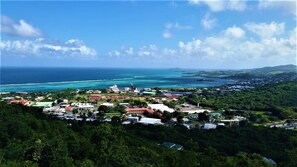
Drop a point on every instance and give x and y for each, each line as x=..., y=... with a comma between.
x=270, y=97
x=275, y=69
x=29, y=138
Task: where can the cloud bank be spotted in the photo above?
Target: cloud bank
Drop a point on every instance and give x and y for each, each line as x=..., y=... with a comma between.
x=18, y=28
x=46, y=47
x=248, y=45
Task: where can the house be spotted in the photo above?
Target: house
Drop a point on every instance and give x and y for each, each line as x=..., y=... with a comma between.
x=133, y=119
x=193, y=116
x=215, y=115
x=51, y=109
x=42, y=104
x=22, y=102
x=195, y=110
x=149, y=93
x=114, y=88
x=221, y=124
x=124, y=104
x=269, y=160
x=150, y=121
x=172, y=146
x=39, y=98
x=94, y=97
x=234, y=121
x=139, y=111
x=7, y=98
x=107, y=104
x=230, y=122
x=83, y=106
x=209, y=126
x=68, y=108
x=160, y=107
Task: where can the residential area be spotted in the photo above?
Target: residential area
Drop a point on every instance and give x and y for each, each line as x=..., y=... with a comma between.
x=130, y=105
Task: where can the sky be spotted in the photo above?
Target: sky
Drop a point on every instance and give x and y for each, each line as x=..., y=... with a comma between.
x=230, y=34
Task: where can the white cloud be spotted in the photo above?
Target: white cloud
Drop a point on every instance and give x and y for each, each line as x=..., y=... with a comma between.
x=146, y=51
x=20, y=28
x=229, y=48
x=238, y=5
x=129, y=51
x=288, y=6
x=177, y=26
x=169, y=27
x=42, y=47
x=234, y=31
x=189, y=47
x=207, y=22
x=167, y=34
x=242, y=52
x=219, y=5
x=265, y=30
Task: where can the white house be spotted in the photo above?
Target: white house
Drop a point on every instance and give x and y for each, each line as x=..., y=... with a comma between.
x=107, y=104
x=160, y=107
x=150, y=121
x=208, y=126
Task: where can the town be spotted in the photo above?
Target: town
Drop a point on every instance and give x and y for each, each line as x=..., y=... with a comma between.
x=130, y=105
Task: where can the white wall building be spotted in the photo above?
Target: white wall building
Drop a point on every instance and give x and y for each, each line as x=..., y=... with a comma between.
x=160, y=107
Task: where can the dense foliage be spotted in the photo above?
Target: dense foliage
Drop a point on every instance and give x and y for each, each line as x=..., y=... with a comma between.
x=30, y=138
x=278, y=98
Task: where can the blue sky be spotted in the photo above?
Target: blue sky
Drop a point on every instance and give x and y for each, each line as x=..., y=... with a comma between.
x=150, y=34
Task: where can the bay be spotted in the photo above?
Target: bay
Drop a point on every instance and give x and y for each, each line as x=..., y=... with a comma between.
x=15, y=79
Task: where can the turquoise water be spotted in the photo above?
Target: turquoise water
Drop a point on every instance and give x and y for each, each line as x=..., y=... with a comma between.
x=50, y=79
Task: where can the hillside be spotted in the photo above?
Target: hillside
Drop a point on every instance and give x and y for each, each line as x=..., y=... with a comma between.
x=275, y=69
x=265, y=98
x=29, y=138
x=266, y=74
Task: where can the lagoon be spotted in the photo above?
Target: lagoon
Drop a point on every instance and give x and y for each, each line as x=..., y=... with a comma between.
x=15, y=79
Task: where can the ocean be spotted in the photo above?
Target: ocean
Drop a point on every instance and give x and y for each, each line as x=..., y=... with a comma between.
x=17, y=79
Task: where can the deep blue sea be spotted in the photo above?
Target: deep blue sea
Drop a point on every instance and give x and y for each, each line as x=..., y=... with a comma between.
x=14, y=79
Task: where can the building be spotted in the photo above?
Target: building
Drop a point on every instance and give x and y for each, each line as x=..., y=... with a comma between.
x=107, y=104
x=160, y=107
x=147, y=93
x=124, y=104
x=172, y=146
x=94, y=97
x=39, y=98
x=195, y=110
x=234, y=121
x=83, y=106
x=269, y=160
x=69, y=108
x=208, y=126
x=22, y=102
x=133, y=119
x=42, y=104
x=7, y=98
x=139, y=111
x=114, y=88
x=150, y=121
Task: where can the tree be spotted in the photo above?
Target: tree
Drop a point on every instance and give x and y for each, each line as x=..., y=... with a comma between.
x=203, y=117
x=104, y=109
x=167, y=116
x=100, y=116
x=116, y=119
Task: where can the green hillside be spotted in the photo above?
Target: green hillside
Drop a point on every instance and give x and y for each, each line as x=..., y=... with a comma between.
x=275, y=69
x=265, y=98
x=29, y=138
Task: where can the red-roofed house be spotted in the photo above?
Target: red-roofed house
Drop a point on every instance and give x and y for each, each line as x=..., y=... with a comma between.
x=95, y=97
x=68, y=108
x=139, y=110
x=22, y=102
